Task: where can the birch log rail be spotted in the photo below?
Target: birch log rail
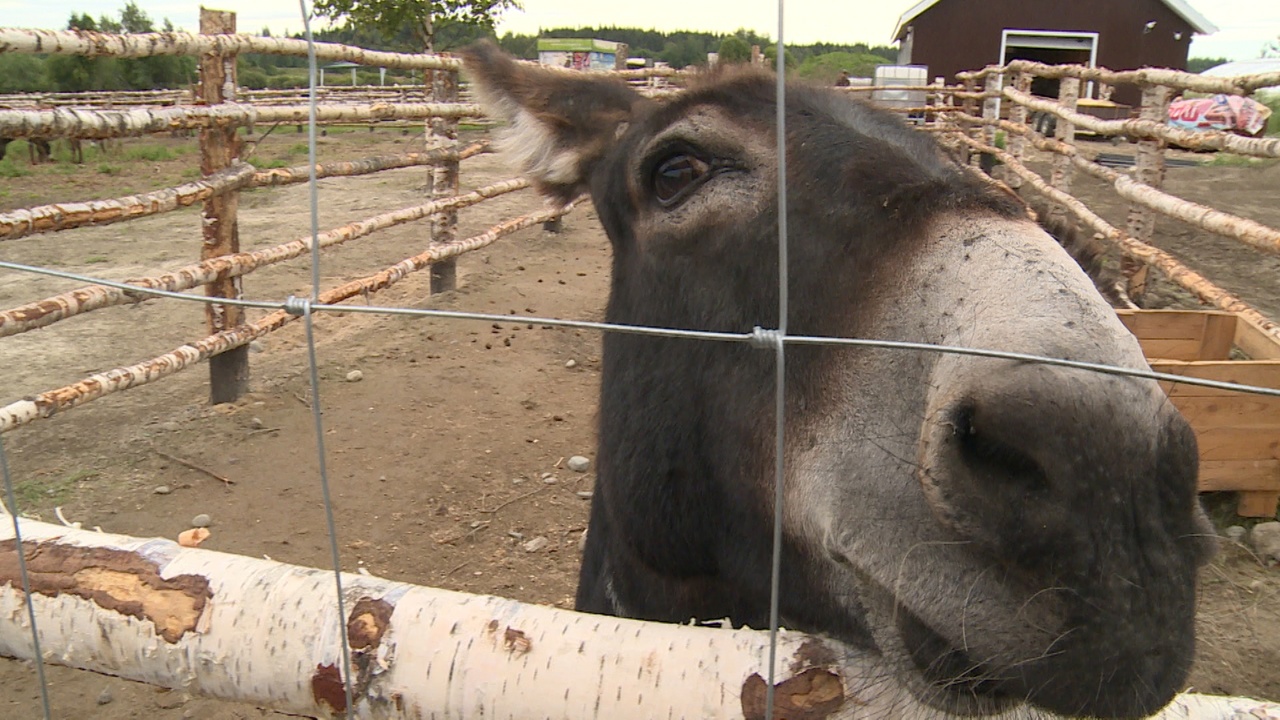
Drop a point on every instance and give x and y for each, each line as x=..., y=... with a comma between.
x=42, y=313
x=100, y=124
x=47, y=404
x=264, y=632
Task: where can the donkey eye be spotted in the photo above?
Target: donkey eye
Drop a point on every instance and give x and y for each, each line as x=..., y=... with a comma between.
x=676, y=176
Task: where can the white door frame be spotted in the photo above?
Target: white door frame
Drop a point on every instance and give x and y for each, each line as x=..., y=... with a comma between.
x=1092, y=37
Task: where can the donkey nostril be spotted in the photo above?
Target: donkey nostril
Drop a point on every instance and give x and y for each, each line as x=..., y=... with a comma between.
x=983, y=448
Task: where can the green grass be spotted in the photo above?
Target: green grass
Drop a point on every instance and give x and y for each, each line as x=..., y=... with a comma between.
x=150, y=153
x=1229, y=160
x=96, y=259
x=34, y=493
x=10, y=169
x=109, y=169
x=272, y=164
x=297, y=149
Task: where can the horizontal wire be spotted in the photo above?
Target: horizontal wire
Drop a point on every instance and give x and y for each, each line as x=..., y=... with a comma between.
x=758, y=338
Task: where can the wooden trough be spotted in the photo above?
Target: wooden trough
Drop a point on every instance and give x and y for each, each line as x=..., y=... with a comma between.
x=1238, y=433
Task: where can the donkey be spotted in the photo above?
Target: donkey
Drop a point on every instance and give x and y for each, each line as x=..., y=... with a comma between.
x=1000, y=533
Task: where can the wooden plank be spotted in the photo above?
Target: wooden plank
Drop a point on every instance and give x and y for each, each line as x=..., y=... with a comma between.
x=1219, y=335
x=1258, y=504
x=1219, y=475
x=1186, y=349
x=1237, y=443
x=1230, y=409
x=1255, y=342
x=1263, y=373
x=1169, y=324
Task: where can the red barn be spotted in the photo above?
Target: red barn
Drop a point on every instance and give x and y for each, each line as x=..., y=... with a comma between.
x=951, y=36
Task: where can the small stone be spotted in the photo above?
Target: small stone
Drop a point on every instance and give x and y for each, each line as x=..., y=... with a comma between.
x=1235, y=533
x=256, y=423
x=162, y=490
x=571, y=364
x=355, y=376
x=536, y=544
x=551, y=480
x=201, y=521
x=517, y=481
x=1265, y=538
x=170, y=426
x=577, y=463
x=171, y=700
x=515, y=535
x=256, y=347
x=585, y=494
x=105, y=697
x=582, y=541
x=545, y=475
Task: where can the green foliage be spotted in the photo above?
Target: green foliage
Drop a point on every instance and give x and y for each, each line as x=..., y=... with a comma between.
x=22, y=73
x=109, y=169
x=825, y=68
x=1271, y=100
x=77, y=74
x=425, y=17
x=11, y=169
x=1200, y=64
x=734, y=49
x=788, y=58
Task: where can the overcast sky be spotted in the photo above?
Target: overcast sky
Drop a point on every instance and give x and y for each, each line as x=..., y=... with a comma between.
x=1244, y=25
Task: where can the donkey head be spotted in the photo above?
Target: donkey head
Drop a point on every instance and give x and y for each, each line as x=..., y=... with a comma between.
x=999, y=532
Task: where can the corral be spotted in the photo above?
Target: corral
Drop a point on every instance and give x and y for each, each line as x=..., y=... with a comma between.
x=443, y=451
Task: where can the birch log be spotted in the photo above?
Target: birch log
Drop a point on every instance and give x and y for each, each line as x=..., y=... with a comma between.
x=95, y=44
x=95, y=386
x=42, y=313
x=98, y=124
x=1150, y=129
x=268, y=633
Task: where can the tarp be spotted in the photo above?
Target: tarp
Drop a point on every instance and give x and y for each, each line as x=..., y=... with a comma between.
x=1230, y=113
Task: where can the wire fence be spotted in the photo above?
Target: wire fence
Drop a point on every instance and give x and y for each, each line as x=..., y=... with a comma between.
x=970, y=132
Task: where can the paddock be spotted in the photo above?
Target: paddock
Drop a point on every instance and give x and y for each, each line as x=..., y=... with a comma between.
x=447, y=454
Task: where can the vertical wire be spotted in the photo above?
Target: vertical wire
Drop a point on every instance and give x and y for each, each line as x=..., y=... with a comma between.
x=775, y=572
x=308, y=321
x=12, y=506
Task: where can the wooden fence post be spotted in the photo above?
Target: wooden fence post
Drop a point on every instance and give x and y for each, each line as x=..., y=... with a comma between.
x=970, y=108
x=219, y=147
x=444, y=179
x=1017, y=144
x=1060, y=177
x=990, y=113
x=1149, y=170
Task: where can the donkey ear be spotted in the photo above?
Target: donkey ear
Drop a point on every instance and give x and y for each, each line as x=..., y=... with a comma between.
x=560, y=123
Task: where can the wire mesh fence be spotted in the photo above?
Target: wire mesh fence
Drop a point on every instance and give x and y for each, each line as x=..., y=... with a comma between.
x=330, y=689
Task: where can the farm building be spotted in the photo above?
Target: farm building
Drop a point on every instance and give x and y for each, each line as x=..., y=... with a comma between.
x=951, y=36
x=582, y=53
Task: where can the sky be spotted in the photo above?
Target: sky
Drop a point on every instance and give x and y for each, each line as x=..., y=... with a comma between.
x=1244, y=25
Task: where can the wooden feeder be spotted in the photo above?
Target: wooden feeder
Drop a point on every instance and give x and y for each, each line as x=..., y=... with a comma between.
x=1238, y=433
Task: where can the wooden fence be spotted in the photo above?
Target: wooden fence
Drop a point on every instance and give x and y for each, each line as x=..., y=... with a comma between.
x=215, y=109
x=991, y=119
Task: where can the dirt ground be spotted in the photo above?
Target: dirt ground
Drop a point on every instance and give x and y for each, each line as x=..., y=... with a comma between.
x=448, y=454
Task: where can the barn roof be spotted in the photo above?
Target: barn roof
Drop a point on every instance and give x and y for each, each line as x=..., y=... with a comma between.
x=1198, y=22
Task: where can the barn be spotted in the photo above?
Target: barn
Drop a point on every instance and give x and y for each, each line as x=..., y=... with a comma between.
x=950, y=36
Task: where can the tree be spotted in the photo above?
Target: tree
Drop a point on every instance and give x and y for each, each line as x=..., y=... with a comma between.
x=424, y=16
x=1200, y=64
x=771, y=57
x=734, y=49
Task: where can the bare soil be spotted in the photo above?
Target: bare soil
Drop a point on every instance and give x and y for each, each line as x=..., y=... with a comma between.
x=437, y=456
